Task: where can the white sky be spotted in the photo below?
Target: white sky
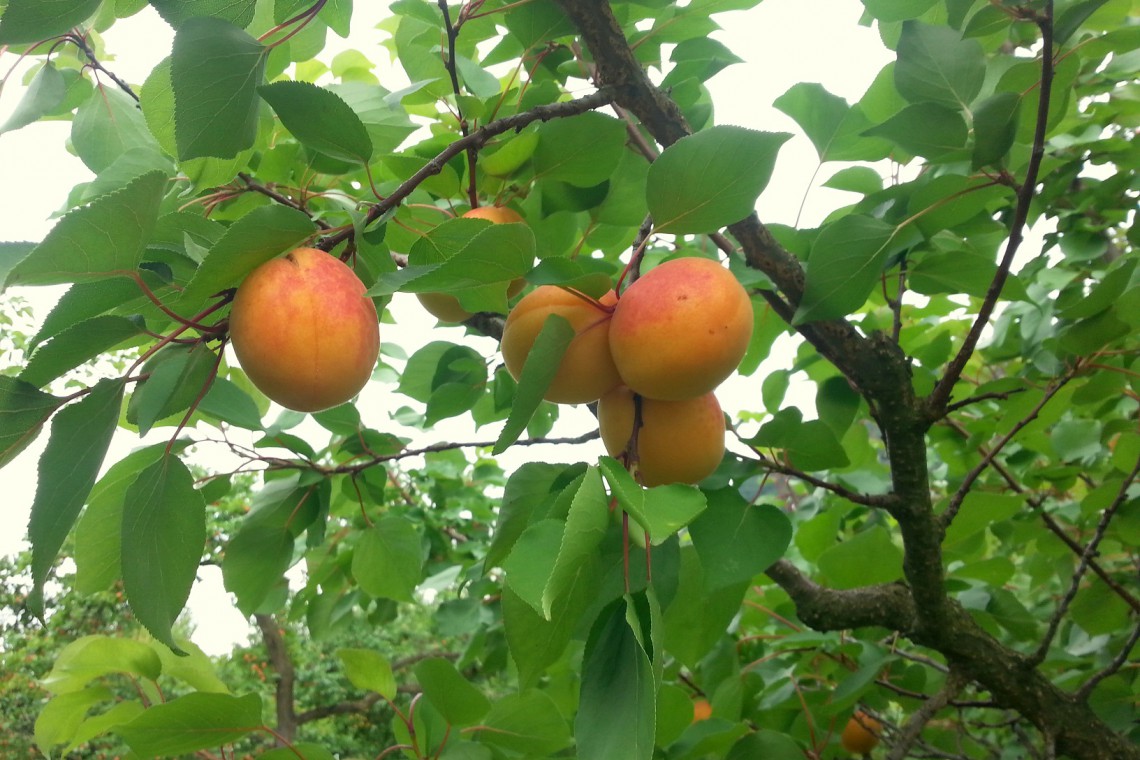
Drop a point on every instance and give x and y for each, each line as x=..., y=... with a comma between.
x=782, y=41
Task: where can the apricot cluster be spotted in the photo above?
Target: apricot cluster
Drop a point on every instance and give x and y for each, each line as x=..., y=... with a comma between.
x=651, y=358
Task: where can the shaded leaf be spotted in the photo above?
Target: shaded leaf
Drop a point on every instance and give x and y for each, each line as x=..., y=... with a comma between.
x=106, y=126
x=930, y=130
x=319, y=119
x=78, y=344
x=388, y=559
x=34, y=20
x=457, y=700
x=935, y=64
x=845, y=263
x=528, y=722
x=995, y=128
x=867, y=558
x=23, y=411
x=537, y=373
x=254, y=563
x=178, y=12
x=581, y=151
x=736, y=540
x=192, y=722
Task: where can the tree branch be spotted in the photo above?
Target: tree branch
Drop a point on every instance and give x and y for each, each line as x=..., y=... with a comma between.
x=824, y=609
x=80, y=41
x=909, y=733
x=286, y=675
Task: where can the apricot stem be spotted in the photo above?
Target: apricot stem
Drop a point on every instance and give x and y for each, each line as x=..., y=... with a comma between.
x=634, y=265
x=198, y=399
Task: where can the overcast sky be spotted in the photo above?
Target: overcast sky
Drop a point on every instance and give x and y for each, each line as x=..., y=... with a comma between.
x=782, y=41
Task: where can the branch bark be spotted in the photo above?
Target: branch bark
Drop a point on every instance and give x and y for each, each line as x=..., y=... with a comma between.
x=279, y=658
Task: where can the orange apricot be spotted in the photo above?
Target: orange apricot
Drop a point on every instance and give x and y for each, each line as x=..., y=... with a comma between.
x=304, y=331
x=681, y=329
x=861, y=734
x=587, y=370
x=702, y=710
x=678, y=441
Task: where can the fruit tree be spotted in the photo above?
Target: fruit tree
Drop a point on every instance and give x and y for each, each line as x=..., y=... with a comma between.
x=862, y=486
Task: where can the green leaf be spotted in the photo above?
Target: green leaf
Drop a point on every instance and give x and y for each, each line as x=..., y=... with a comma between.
x=833, y=126
x=366, y=669
x=257, y=237
x=767, y=744
x=12, y=254
x=527, y=723
x=178, y=12
x=930, y=130
x=711, y=179
x=164, y=535
x=449, y=378
x=529, y=489
x=736, y=540
x=103, y=239
x=98, y=534
x=936, y=65
x=23, y=411
x=617, y=708
x=34, y=20
x=226, y=402
x=856, y=179
x=90, y=657
x=512, y=151
x=76, y=345
x=978, y=511
x=388, y=559
x=897, y=10
x=1071, y=18
x=255, y=562
x=215, y=70
x=869, y=557
x=538, y=371
x=662, y=510
x=46, y=91
x=460, y=703
x=582, y=151
x=319, y=119
x=61, y=717
x=995, y=128
x=844, y=266
x=586, y=525
x=191, y=723
x=531, y=561
x=536, y=23
x=98, y=725
x=177, y=378
x=80, y=435
x=106, y=126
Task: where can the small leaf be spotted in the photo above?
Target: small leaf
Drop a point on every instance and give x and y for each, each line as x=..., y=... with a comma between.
x=319, y=119
x=532, y=559
x=868, y=558
x=177, y=379
x=106, y=126
x=177, y=12
x=254, y=563
x=23, y=411
x=78, y=344
x=833, y=126
x=617, y=702
x=368, y=670
x=35, y=20
x=100, y=240
x=736, y=540
x=536, y=23
x=460, y=703
x=581, y=151
x=46, y=91
x=61, y=717
x=164, y=532
x=897, y=10
x=226, y=402
x=527, y=723
x=845, y=264
x=388, y=560
x=936, y=65
x=1070, y=19
x=538, y=371
x=191, y=723
x=711, y=179
x=215, y=70
x=80, y=436
x=529, y=489
x=662, y=510
x=586, y=525
x=930, y=130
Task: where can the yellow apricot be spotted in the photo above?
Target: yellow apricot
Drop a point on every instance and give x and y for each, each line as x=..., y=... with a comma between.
x=304, y=331
x=681, y=329
x=678, y=441
x=587, y=370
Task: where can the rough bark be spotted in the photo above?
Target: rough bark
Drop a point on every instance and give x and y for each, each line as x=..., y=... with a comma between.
x=876, y=366
x=286, y=677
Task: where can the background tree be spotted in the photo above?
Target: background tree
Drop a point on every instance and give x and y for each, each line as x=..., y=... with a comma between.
x=943, y=543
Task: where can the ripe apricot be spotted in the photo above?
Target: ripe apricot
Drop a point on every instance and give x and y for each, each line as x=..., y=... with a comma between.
x=446, y=307
x=861, y=734
x=587, y=370
x=681, y=329
x=702, y=710
x=678, y=441
x=304, y=331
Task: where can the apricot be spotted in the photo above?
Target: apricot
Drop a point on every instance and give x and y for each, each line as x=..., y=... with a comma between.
x=304, y=331
x=678, y=441
x=861, y=734
x=587, y=370
x=446, y=307
x=702, y=710
x=681, y=329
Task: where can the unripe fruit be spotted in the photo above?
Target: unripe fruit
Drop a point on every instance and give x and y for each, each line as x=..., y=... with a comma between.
x=304, y=331
x=681, y=329
x=587, y=369
x=861, y=734
x=678, y=441
x=446, y=307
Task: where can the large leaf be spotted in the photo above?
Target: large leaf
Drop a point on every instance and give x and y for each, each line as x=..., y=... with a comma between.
x=34, y=20
x=581, y=151
x=80, y=435
x=163, y=537
x=23, y=411
x=103, y=239
x=106, y=126
x=76, y=345
x=215, y=70
x=457, y=700
x=527, y=723
x=538, y=371
x=661, y=511
x=930, y=130
x=178, y=12
x=388, y=559
x=833, y=126
x=586, y=524
x=319, y=119
x=254, y=563
x=737, y=540
x=192, y=722
x=617, y=701
x=936, y=64
x=711, y=179
x=995, y=128
x=91, y=657
x=867, y=558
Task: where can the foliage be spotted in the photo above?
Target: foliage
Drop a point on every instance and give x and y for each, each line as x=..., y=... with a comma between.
x=945, y=540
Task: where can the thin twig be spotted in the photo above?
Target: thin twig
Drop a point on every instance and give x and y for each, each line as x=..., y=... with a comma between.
x=80, y=42
x=910, y=732
x=1117, y=663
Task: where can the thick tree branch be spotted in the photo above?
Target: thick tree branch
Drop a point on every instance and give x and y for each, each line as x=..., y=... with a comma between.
x=286, y=675
x=826, y=609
